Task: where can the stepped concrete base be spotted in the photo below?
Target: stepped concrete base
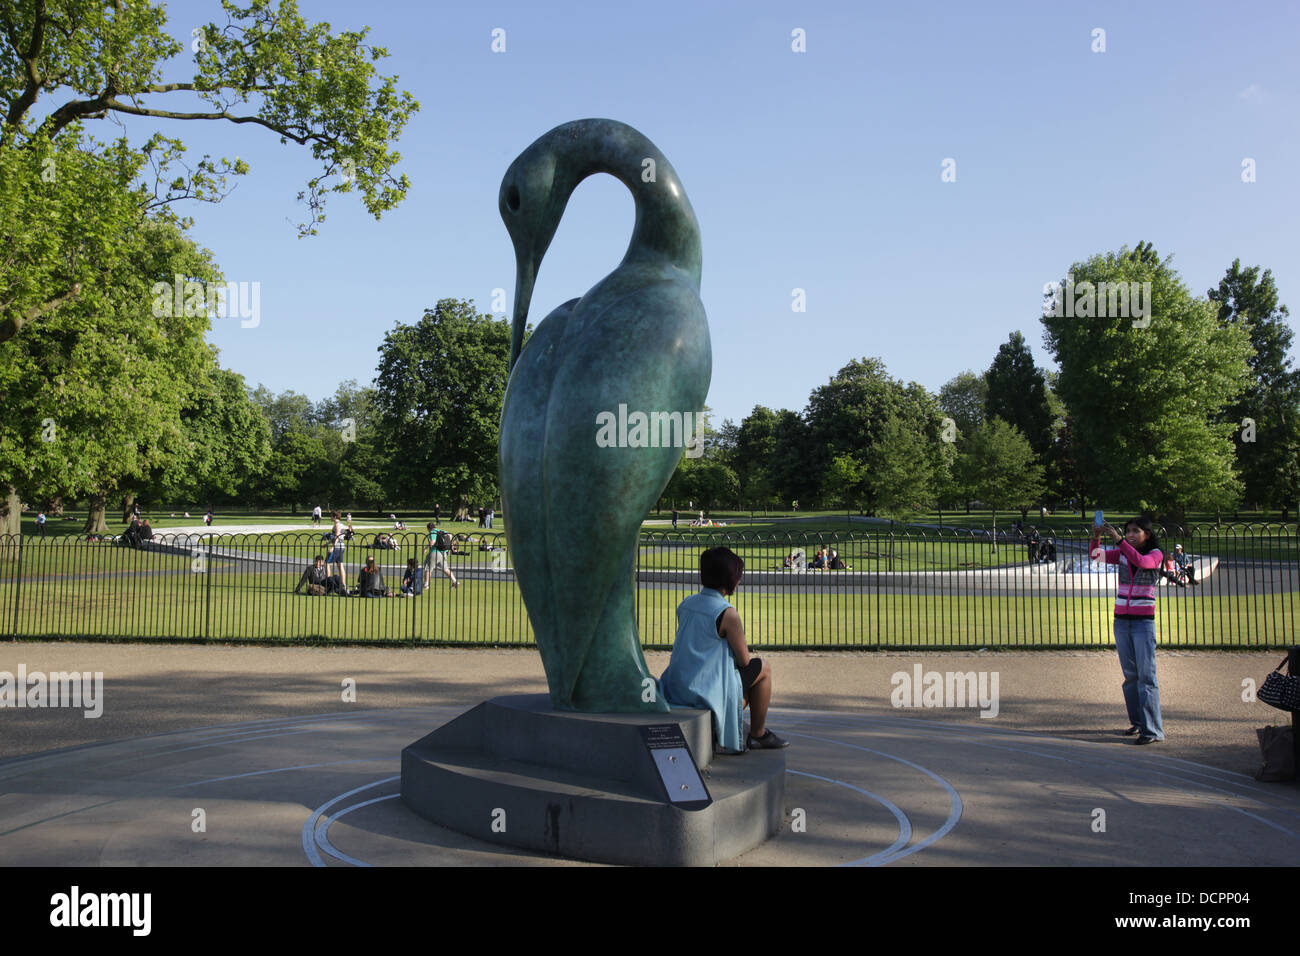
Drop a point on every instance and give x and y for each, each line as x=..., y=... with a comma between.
x=515, y=772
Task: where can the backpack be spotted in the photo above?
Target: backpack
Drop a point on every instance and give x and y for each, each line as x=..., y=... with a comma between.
x=442, y=541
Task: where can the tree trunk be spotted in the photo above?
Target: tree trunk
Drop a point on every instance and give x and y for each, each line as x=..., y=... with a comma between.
x=56, y=507
x=128, y=500
x=11, y=513
x=11, y=527
x=95, y=523
x=994, y=538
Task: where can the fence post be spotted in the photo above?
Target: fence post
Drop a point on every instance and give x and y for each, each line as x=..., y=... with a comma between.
x=18, y=587
x=207, y=603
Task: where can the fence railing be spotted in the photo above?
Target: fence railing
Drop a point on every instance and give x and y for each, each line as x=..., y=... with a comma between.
x=901, y=588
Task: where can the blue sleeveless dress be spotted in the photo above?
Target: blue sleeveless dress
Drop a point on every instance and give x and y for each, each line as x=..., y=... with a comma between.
x=702, y=673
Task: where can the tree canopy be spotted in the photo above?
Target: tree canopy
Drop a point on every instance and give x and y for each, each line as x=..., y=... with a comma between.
x=439, y=390
x=1146, y=395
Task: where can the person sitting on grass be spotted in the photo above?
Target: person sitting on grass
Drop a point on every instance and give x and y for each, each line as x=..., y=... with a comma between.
x=1185, y=565
x=835, y=562
x=371, y=583
x=313, y=578
x=819, y=562
x=131, y=536
x=711, y=667
x=412, y=579
x=384, y=542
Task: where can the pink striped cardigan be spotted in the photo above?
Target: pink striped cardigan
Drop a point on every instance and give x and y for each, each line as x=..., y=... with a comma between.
x=1138, y=576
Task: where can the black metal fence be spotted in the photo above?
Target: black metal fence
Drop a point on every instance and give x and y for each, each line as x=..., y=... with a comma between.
x=918, y=587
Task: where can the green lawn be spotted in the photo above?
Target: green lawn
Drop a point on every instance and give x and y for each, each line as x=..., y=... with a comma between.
x=230, y=605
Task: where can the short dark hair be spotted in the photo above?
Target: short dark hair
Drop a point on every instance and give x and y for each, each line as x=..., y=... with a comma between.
x=720, y=569
x=318, y=558
x=429, y=526
x=1144, y=523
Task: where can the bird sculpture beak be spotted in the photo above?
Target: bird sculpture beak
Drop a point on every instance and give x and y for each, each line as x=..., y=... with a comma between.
x=525, y=276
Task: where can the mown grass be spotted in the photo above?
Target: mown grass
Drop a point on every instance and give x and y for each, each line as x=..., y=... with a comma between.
x=226, y=606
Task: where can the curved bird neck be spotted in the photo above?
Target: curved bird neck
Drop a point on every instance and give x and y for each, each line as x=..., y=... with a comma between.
x=666, y=230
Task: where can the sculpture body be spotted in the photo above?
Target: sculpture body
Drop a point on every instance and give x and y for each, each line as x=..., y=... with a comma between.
x=639, y=338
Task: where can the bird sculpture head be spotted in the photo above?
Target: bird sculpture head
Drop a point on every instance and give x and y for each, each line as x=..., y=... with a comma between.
x=532, y=203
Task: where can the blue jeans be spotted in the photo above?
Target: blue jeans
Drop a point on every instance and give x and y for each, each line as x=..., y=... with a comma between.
x=1135, y=639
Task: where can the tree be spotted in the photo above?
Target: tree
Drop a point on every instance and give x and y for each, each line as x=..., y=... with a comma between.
x=849, y=415
x=752, y=455
x=1146, y=392
x=788, y=469
x=439, y=390
x=71, y=209
x=707, y=481
x=963, y=398
x=1000, y=469
x=226, y=442
x=846, y=480
x=1268, y=412
x=1017, y=393
x=93, y=392
x=905, y=477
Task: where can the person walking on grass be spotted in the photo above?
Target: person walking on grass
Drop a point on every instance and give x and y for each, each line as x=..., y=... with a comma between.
x=1139, y=559
x=436, y=557
x=339, y=543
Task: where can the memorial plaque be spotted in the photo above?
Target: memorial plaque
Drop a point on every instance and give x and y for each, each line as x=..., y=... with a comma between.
x=678, y=773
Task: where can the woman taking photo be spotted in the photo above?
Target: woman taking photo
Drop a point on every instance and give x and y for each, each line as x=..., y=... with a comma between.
x=1139, y=560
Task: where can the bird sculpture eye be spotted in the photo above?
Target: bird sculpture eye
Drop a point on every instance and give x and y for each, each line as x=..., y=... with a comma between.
x=512, y=199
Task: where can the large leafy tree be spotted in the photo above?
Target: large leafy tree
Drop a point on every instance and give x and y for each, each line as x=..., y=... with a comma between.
x=1268, y=453
x=93, y=393
x=226, y=442
x=1000, y=468
x=851, y=415
x=1146, y=397
x=70, y=206
x=752, y=453
x=1017, y=393
x=962, y=399
x=439, y=389
x=792, y=477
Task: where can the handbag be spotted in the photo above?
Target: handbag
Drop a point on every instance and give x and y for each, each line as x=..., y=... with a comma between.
x=1281, y=690
x=1277, y=747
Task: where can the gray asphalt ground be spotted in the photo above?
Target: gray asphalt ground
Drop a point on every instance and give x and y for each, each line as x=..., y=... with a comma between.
x=262, y=739
x=155, y=688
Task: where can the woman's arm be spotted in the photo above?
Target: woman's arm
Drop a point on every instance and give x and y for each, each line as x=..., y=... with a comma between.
x=733, y=631
x=1152, y=559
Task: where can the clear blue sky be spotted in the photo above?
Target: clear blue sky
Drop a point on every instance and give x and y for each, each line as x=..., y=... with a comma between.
x=817, y=170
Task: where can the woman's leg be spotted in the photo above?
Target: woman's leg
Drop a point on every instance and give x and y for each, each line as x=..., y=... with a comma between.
x=1148, y=691
x=1129, y=666
x=760, y=696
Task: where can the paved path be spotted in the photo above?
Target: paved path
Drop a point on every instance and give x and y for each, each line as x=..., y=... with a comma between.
x=286, y=772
